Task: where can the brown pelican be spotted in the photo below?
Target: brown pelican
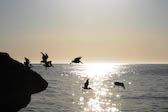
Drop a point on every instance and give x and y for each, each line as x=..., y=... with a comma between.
x=44, y=60
x=44, y=57
x=27, y=63
x=119, y=84
x=76, y=60
x=86, y=84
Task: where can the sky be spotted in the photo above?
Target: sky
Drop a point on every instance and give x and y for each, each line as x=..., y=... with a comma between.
x=124, y=31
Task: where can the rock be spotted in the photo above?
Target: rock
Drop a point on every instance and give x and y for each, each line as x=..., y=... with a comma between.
x=17, y=84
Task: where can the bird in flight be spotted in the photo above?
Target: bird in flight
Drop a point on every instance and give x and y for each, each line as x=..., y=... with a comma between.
x=76, y=60
x=44, y=60
x=27, y=63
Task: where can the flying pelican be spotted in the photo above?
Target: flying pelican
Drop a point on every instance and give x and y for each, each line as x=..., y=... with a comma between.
x=119, y=84
x=86, y=84
x=27, y=62
x=44, y=57
x=76, y=60
x=44, y=60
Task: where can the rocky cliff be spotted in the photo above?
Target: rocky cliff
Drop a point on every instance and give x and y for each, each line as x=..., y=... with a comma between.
x=17, y=84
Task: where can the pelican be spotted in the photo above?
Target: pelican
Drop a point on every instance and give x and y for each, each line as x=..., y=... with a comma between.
x=119, y=84
x=27, y=62
x=76, y=60
x=44, y=60
x=86, y=84
x=44, y=57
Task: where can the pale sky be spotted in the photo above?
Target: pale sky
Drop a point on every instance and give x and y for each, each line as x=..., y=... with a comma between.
x=97, y=30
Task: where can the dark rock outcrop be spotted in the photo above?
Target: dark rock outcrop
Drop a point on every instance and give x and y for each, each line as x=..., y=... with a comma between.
x=17, y=84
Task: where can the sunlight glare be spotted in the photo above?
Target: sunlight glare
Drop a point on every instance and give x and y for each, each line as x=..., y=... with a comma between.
x=99, y=70
x=100, y=75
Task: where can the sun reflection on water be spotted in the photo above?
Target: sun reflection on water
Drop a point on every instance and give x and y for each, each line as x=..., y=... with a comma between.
x=101, y=98
x=99, y=70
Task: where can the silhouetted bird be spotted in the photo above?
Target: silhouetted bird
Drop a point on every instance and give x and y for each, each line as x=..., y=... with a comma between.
x=44, y=60
x=27, y=63
x=86, y=84
x=76, y=60
x=44, y=57
x=119, y=84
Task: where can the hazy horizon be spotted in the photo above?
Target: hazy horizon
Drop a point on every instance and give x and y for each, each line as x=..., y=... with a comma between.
x=101, y=31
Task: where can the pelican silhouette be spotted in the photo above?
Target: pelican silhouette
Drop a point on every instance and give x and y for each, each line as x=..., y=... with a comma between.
x=44, y=57
x=44, y=60
x=76, y=60
x=119, y=84
x=27, y=62
x=86, y=84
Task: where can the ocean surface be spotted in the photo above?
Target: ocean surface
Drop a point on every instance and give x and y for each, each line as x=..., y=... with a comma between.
x=146, y=88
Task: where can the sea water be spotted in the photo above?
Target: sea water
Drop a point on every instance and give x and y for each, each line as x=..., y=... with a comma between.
x=146, y=88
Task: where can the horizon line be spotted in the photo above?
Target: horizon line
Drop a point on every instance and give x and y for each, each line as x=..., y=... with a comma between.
x=122, y=63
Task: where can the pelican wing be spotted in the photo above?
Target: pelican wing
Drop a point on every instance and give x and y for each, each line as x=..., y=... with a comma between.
x=77, y=59
x=42, y=55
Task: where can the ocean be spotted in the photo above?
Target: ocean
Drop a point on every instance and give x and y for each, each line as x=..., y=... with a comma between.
x=146, y=88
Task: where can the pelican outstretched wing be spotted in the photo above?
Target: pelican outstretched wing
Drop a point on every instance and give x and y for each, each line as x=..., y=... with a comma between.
x=43, y=55
x=77, y=59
